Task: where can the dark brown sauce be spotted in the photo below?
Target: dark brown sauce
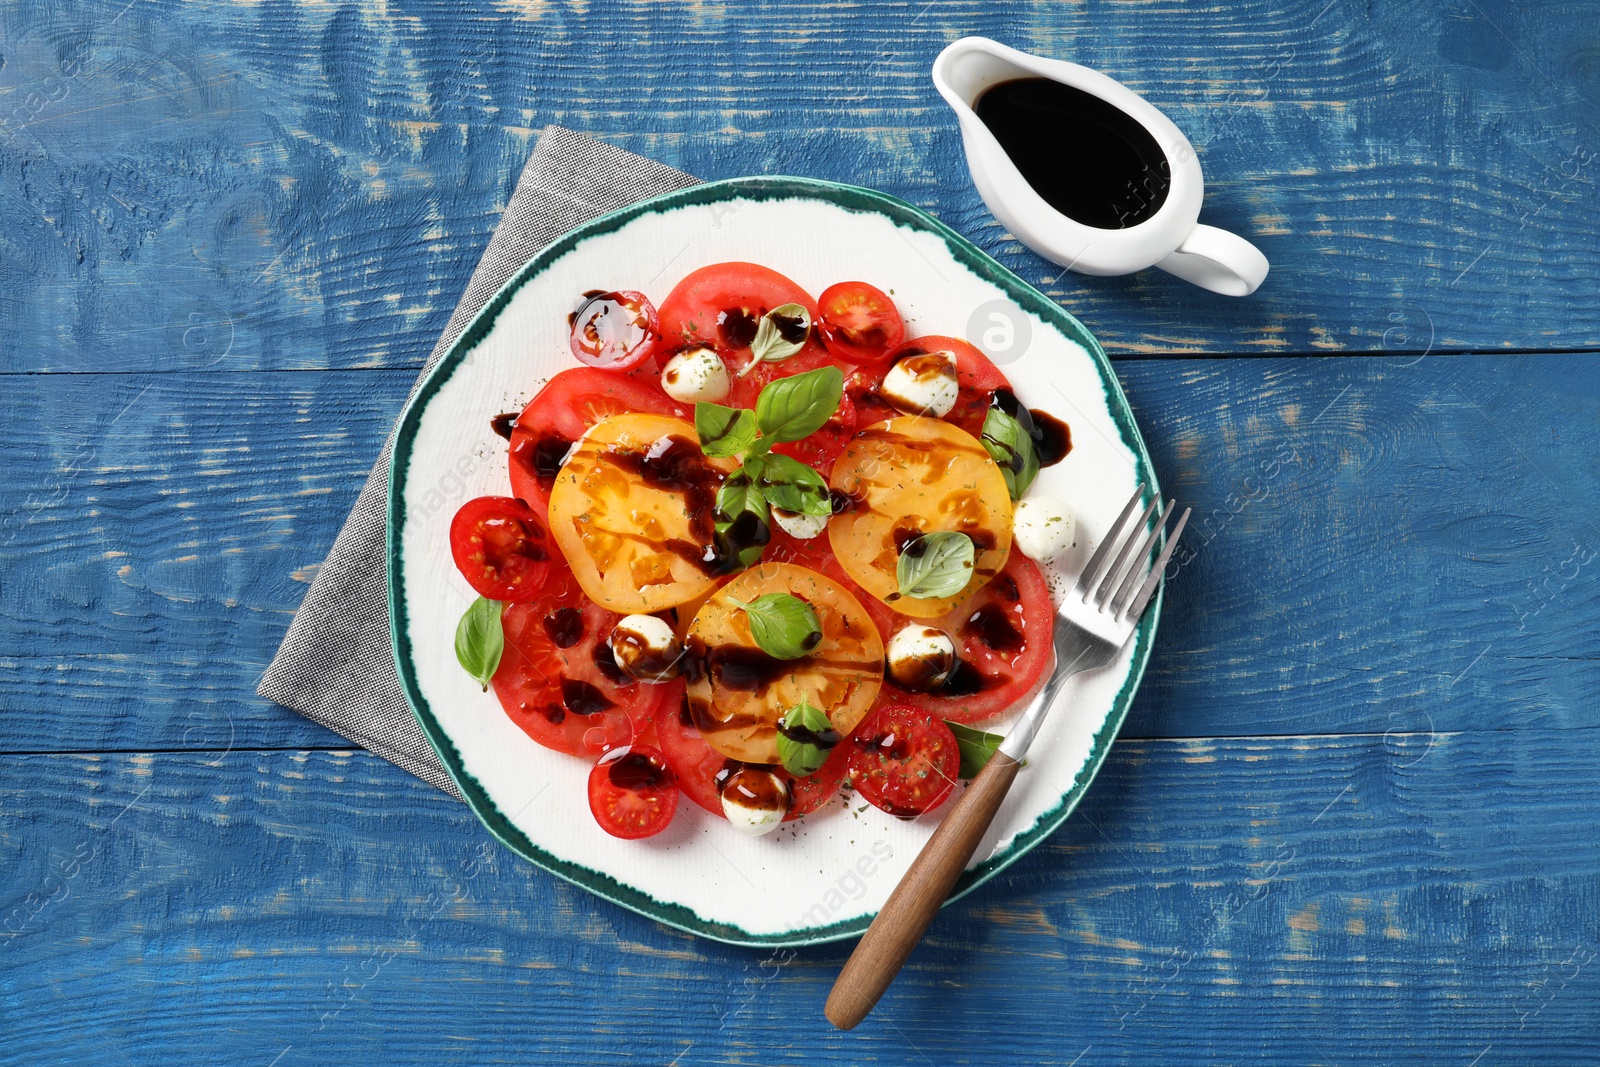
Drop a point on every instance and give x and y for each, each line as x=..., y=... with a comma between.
x=844, y=502
x=588, y=295
x=748, y=530
x=675, y=464
x=754, y=787
x=1087, y=158
x=606, y=664
x=1005, y=587
x=747, y=670
x=920, y=445
x=737, y=327
x=581, y=698
x=541, y=458
x=637, y=772
x=555, y=713
x=1051, y=437
x=823, y=739
x=992, y=625
x=644, y=660
x=904, y=535
x=964, y=681
x=503, y=424
x=922, y=674
x=564, y=627
x=792, y=328
x=889, y=746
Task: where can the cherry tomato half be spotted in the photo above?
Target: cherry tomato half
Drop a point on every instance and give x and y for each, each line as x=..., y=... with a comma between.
x=500, y=546
x=858, y=322
x=570, y=403
x=632, y=793
x=614, y=331
x=903, y=760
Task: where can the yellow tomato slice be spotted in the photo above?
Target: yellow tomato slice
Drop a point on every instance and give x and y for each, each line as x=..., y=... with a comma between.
x=737, y=693
x=911, y=476
x=631, y=511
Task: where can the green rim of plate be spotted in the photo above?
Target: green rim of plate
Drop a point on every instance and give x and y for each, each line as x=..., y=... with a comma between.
x=852, y=198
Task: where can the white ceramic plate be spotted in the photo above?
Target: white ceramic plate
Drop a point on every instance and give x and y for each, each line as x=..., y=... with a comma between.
x=826, y=878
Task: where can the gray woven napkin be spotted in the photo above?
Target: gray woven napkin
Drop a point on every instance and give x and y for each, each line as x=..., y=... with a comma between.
x=335, y=665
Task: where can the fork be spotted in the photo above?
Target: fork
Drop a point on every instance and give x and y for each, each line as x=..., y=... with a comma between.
x=1099, y=617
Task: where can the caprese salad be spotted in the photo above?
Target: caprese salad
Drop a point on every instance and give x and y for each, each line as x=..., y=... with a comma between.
x=761, y=550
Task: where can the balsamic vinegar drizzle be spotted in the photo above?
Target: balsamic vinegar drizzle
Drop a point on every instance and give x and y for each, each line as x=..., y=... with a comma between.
x=504, y=424
x=1088, y=159
x=1052, y=439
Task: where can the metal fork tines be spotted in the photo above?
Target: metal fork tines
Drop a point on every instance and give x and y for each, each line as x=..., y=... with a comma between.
x=1124, y=608
x=1103, y=608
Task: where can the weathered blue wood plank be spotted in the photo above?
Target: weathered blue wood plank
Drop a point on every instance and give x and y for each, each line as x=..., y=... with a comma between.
x=1291, y=900
x=194, y=186
x=1378, y=545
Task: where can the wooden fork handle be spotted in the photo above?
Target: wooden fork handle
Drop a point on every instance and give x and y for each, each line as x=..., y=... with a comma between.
x=916, y=900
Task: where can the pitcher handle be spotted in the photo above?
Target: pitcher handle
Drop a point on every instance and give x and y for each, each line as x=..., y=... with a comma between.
x=1217, y=260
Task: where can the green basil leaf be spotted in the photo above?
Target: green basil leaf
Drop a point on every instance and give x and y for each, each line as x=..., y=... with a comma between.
x=935, y=565
x=976, y=747
x=805, y=737
x=480, y=641
x=781, y=333
x=741, y=540
x=797, y=406
x=790, y=485
x=1012, y=448
x=785, y=626
x=724, y=431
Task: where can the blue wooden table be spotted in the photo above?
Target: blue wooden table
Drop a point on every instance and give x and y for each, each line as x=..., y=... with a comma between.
x=1353, y=817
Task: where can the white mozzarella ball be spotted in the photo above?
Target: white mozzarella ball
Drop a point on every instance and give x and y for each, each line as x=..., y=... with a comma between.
x=799, y=525
x=1043, y=527
x=646, y=648
x=696, y=375
x=920, y=657
x=922, y=385
x=755, y=800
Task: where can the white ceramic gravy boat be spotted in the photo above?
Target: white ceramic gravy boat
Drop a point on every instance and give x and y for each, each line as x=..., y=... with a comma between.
x=1171, y=238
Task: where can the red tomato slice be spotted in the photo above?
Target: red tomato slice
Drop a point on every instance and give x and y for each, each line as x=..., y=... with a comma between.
x=501, y=547
x=570, y=403
x=861, y=386
x=632, y=793
x=557, y=679
x=858, y=322
x=823, y=447
x=978, y=376
x=722, y=305
x=695, y=763
x=820, y=788
x=746, y=390
x=701, y=769
x=614, y=331
x=904, y=760
x=1003, y=636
